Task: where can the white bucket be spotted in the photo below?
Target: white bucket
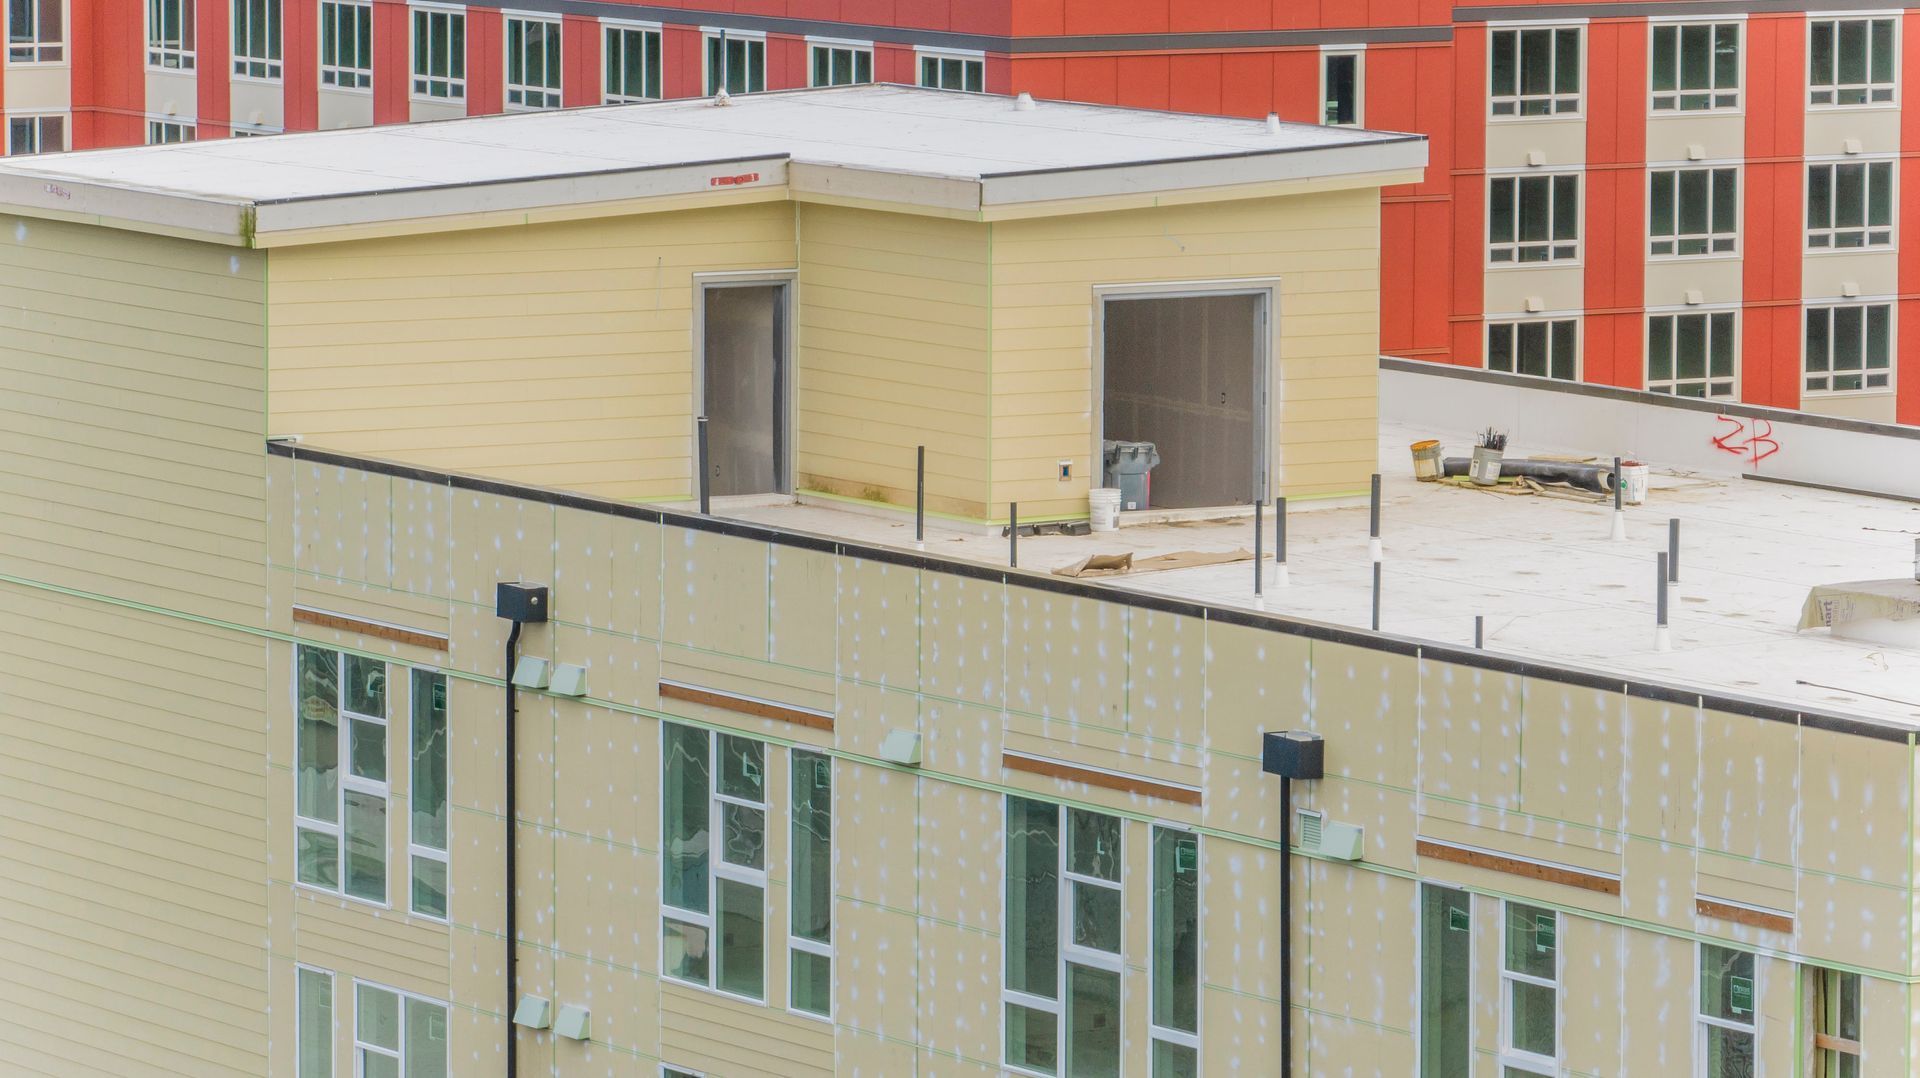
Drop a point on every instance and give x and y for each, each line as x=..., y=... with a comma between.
x=1103, y=506
x=1633, y=483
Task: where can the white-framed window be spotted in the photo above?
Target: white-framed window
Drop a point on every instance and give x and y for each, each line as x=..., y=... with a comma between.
x=839, y=63
x=427, y=821
x=632, y=63
x=36, y=31
x=240, y=130
x=1533, y=218
x=170, y=34
x=166, y=132
x=1529, y=990
x=668, y=1070
x=256, y=39
x=313, y=1023
x=1541, y=347
x=1446, y=983
x=1853, y=61
x=1850, y=205
x=533, y=62
x=1693, y=211
x=397, y=1034
x=1693, y=354
x=1836, y=1024
x=346, y=44
x=439, y=54
x=1174, y=982
x=1695, y=66
x=810, y=925
x=1064, y=912
x=714, y=860
x=1535, y=70
x=340, y=772
x=942, y=69
x=36, y=134
x=1849, y=347
x=1343, y=87
x=1727, y=1025
x=736, y=61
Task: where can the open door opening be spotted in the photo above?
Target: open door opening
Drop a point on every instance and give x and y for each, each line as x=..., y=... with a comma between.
x=1187, y=373
x=743, y=355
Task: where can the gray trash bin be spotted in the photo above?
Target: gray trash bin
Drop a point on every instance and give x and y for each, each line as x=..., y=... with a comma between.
x=1129, y=468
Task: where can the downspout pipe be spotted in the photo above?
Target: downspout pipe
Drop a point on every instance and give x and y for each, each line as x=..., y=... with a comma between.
x=522, y=604
x=1290, y=754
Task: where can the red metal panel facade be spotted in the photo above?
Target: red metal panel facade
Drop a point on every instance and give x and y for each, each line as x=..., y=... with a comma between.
x=1772, y=227
x=1616, y=240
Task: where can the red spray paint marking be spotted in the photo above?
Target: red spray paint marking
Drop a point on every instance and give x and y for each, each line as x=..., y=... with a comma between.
x=1755, y=442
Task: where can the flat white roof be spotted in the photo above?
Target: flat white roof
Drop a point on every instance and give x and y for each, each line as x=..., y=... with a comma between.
x=955, y=151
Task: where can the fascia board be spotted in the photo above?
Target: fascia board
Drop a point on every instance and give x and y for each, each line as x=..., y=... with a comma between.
x=50, y=196
x=866, y=185
x=1387, y=155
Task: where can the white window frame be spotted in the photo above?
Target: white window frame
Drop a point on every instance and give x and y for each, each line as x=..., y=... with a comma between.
x=247, y=67
x=1519, y=246
x=39, y=122
x=1701, y=1022
x=531, y=97
x=337, y=76
x=1554, y=99
x=415, y=849
x=347, y=781
x=1870, y=87
x=1671, y=102
x=1832, y=234
x=1156, y=1032
x=1671, y=384
x=1710, y=237
x=416, y=80
x=1523, y=1061
x=164, y=55
x=1359, y=54
x=610, y=27
x=37, y=50
x=1548, y=320
x=400, y=1057
x=718, y=867
x=855, y=49
x=1419, y=952
x=797, y=943
x=944, y=56
x=333, y=1008
x=1807, y=314
x=713, y=82
x=163, y=125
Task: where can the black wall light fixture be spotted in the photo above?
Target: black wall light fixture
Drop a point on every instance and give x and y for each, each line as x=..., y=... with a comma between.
x=1290, y=754
x=522, y=604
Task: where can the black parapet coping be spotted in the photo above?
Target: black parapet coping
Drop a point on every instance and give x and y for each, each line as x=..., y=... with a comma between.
x=1733, y=704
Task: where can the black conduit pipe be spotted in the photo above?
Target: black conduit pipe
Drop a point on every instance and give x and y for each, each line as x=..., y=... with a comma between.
x=1584, y=476
x=513, y=942
x=1286, y=928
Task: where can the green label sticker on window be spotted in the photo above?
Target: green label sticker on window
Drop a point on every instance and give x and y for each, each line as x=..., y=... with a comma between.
x=1458, y=919
x=1186, y=857
x=1740, y=995
x=1543, y=930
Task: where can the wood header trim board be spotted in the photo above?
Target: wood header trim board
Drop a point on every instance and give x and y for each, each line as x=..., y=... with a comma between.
x=399, y=634
x=1772, y=920
x=1516, y=866
x=746, y=705
x=1111, y=780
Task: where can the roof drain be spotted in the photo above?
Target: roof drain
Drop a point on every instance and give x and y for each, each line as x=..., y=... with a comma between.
x=522, y=604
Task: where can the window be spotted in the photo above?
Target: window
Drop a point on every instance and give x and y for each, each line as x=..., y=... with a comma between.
x=1533, y=218
x=396, y=1035
x=953, y=71
x=842, y=65
x=1530, y=991
x=1696, y=66
x=737, y=63
x=163, y=132
x=1851, y=61
x=1544, y=349
x=1691, y=355
x=810, y=935
x=1849, y=347
x=439, y=54
x=633, y=64
x=1062, y=990
x=1850, y=205
x=346, y=45
x=170, y=34
x=1446, y=982
x=35, y=33
x=714, y=845
x=1536, y=71
x=676, y=1072
x=256, y=38
x=533, y=63
x=340, y=773
x=427, y=842
x=1340, y=89
x=313, y=1023
x=1176, y=954
x=1836, y=1024
x=1726, y=1027
x=1695, y=211
x=36, y=134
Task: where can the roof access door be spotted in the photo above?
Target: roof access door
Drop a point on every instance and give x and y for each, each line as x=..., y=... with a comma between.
x=743, y=385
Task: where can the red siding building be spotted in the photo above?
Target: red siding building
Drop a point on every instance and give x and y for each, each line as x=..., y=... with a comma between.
x=1684, y=196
